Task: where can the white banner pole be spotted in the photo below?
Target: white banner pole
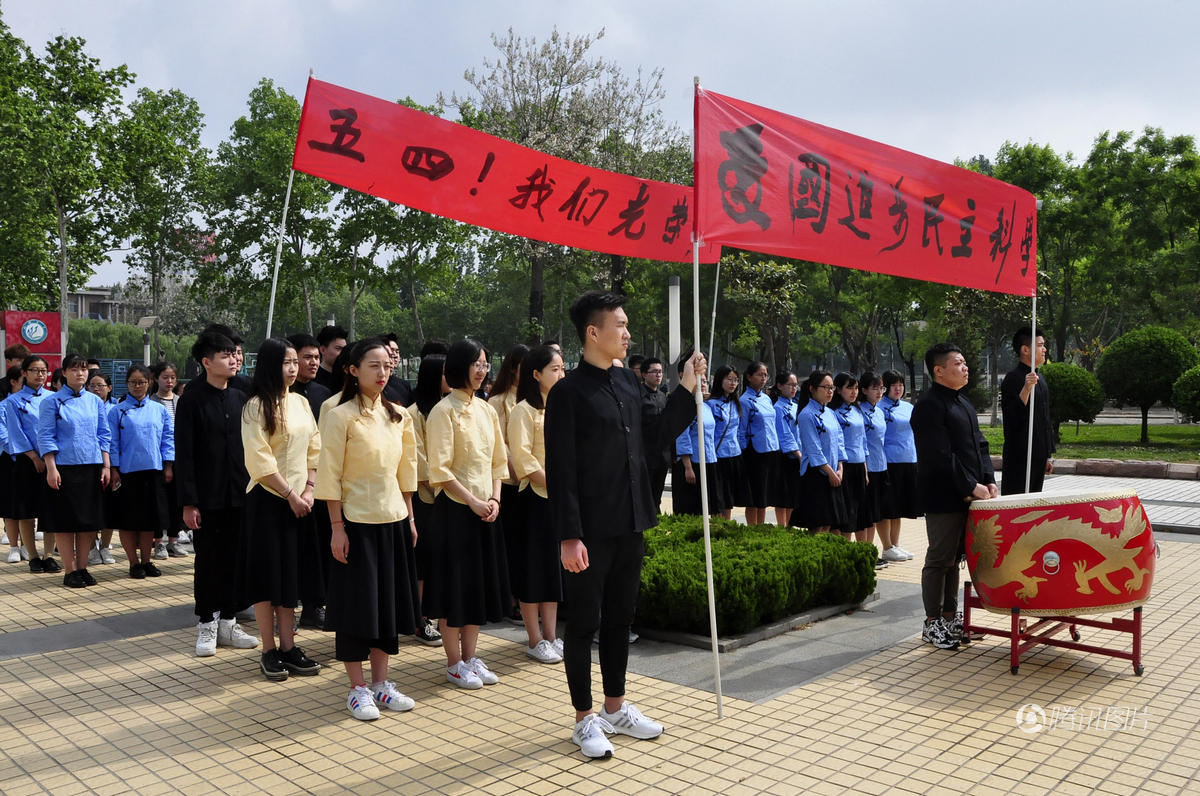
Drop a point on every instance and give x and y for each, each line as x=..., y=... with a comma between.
x=1033, y=355
x=712, y=330
x=287, y=198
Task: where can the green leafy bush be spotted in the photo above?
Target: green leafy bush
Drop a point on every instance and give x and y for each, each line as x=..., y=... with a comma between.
x=1141, y=367
x=761, y=573
x=1075, y=394
x=1187, y=394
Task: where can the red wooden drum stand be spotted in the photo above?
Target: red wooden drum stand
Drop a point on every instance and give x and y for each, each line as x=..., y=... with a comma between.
x=1056, y=557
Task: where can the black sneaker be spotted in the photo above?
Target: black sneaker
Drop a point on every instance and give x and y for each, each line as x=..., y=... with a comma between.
x=136, y=572
x=937, y=633
x=150, y=570
x=427, y=633
x=73, y=580
x=296, y=662
x=87, y=578
x=36, y=565
x=271, y=666
x=955, y=626
x=881, y=563
x=50, y=565
x=313, y=617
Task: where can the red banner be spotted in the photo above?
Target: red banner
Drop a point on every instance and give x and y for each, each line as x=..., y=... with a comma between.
x=422, y=161
x=775, y=183
x=38, y=331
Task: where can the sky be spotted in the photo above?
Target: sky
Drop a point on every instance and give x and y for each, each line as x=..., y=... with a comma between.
x=943, y=79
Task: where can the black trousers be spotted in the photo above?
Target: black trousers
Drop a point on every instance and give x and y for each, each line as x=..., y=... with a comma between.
x=658, y=482
x=1012, y=477
x=216, y=545
x=604, y=597
x=939, y=576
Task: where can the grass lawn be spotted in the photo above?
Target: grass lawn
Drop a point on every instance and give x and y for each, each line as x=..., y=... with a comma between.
x=1174, y=443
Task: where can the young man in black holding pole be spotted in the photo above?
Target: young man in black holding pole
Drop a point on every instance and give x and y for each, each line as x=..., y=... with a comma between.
x=954, y=467
x=600, y=502
x=1018, y=385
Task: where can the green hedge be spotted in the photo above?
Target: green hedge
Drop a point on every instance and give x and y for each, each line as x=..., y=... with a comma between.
x=761, y=573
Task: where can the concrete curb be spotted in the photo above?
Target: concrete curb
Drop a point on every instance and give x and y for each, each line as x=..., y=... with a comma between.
x=1123, y=468
x=731, y=643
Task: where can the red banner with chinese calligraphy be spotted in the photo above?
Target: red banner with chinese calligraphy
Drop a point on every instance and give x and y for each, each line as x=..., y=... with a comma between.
x=774, y=183
x=425, y=162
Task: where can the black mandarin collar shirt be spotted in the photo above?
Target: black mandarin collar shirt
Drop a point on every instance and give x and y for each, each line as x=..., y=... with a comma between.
x=952, y=454
x=1016, y=417
x=316, y=394
x=210, y=470
x=596, y=473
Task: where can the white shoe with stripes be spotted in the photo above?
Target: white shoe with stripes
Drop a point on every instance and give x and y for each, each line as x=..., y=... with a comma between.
x=630, y=721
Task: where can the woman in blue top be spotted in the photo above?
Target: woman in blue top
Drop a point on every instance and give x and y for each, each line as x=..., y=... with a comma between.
x=29, y=501
x=685, y=479
x=11, y=384
x=142, y=456
x=760, y=445
x=874, y=428
x=900, y=499
x=100, y=386
x=73, y=436
x=820, y=505
x=786, y=486
x=727, y=412
x=854, y=472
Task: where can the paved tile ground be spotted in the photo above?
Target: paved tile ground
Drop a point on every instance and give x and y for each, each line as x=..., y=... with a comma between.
x=139, y=713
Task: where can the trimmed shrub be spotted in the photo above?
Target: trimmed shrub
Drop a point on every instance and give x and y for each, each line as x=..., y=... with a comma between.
x=1141, y=367
x=1187, y=395
x=761, y=573
x=1075, y=394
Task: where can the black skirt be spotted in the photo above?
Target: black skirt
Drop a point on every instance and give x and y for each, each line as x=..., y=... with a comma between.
x=900, y=499
x=512, y=510
x=729, y=477
x=758, y=473
x=467, y=580
x=423, y=515
x=541, y=563
x=6, y=485
x=870, y=511
x=685, y=497
x=785, y=489
x=820, y=504
x=141, y=503
x=268, y=568
x=174, y=512
x=854, y=491
x=374, y=594
x=29, y=495
x=78, y=505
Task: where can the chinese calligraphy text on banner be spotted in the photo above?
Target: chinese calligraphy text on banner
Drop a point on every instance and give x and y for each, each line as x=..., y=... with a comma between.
x=425, y=162
x=775, y=183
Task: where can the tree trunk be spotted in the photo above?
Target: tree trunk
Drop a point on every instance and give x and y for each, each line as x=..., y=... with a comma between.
x=537, y=289
x=1145, y=425
x=412, y=294
x=307, y=303
x=995, y=380
x=62, y=275
x=155, y=291
x=617, y=272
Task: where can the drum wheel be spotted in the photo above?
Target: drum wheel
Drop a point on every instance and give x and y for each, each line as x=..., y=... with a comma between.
x=1138, y=670
x=1013, y=669
x=1074, y=634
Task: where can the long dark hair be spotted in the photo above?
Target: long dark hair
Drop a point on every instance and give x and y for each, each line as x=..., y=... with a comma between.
x=528, y=389
x=814, y=380
x=11, y=375
x=719, y=387
x=841, y=380
x=358, y=352
x=753, y=367
x=429, y=383
x=267, y=385
x=868, y=379
x=511, y=373
x=780, y=379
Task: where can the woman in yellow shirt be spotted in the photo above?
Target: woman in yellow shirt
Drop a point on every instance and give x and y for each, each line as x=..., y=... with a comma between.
x=503, y=398
x=280, y=446
x=539, y=585
x=366, y=475
x=431, y=387
x=467, y=581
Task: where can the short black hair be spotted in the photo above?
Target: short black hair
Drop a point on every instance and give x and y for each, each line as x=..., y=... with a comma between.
x=228, y=331
x=74, y=360
x=209, y=343
x=302, y=340
x=18, y=351
x=1023, y=337
x=528, y=389
x=636, y=361
x=891, y=377
x=330, y=333
x=389, y=337
x=461, y=357
x=937, y=355
x=586, y=310
x=135, y=370
x=435, y=347
x=650, y=361
x=93, y=362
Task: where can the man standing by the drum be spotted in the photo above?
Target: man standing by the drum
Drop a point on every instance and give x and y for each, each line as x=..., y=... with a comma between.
x=954, y=467
x=600, y=502
x=1019, y=383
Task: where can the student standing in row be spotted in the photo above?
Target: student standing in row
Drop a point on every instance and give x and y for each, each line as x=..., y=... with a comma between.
x=73, y=436
x=854, y=468
x=143, y=463
x=900, y=500
x=210, y=472
x=467, y=582
x=281, y=445
x=726, y=410
x=29, y=498
x=166, y=377
x=540, y=588
x=685, y=473
x=431, y=388
x=12, y=529
x=786, y=486
x=820, y=505
x=503, y=398
x=874, y=429
x=366, y=475
x=759, y=441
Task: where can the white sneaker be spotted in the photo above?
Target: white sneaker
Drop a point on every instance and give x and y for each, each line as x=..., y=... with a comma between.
x=230, y=634
x=558, y=646
x=907, y=555
x=160, y=551
x=184, y=538
x=38, y=536
x=106, y=556
x=483, y=672
x=629, y=721
x=387, y=695
x=893, y=554
x=361, y=704
x=14, y=555
x=94, y=556
x=589, y=736
x=24, y=553
x=543, y=652
x=206, y=639
x=463, y=676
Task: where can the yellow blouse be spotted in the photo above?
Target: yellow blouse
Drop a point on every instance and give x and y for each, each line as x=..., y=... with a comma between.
x=504, y=404
x=424, y=492
x=527, y=443
x=367, y=461
x=463, y=442
x=291, y=451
